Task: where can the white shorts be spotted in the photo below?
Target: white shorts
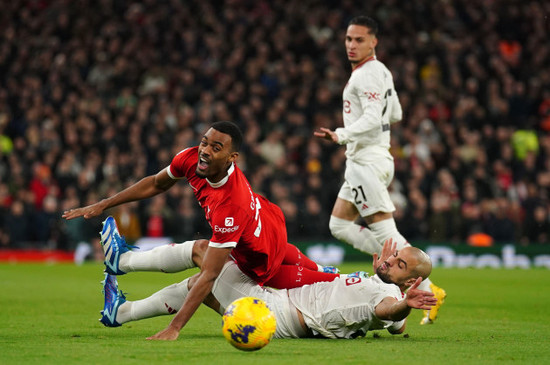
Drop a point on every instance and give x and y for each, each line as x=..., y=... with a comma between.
x=232, y=284
x=366, y=186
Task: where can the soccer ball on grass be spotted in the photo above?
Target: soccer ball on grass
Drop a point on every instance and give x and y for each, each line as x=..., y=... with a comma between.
x=248, y=324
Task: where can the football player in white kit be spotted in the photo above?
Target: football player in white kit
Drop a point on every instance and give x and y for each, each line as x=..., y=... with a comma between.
x=370, y=106
x=347, y=307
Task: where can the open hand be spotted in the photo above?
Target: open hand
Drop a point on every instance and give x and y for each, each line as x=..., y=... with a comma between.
x=326, y=134
x=388, y=250
x=167, y=334
x=87, y=212
x=420, y=299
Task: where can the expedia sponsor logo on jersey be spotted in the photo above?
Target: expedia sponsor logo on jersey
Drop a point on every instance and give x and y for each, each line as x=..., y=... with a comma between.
x=225, y=229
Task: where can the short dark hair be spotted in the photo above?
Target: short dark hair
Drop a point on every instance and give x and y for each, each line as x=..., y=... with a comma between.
x=233, y=131
x=365, y=21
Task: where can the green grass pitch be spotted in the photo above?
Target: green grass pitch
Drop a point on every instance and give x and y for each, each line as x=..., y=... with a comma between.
x=49, y=315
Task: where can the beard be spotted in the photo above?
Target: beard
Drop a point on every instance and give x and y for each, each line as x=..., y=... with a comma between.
x=383, y=276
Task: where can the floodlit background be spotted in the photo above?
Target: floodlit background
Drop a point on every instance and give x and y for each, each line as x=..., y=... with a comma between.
x=95, y=95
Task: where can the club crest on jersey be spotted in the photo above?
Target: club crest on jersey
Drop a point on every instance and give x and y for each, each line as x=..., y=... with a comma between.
x=229, y=221
x=351, y=281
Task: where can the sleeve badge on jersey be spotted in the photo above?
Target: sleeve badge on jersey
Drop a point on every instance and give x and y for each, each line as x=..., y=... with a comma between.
x=229, y=221
x=372, y=96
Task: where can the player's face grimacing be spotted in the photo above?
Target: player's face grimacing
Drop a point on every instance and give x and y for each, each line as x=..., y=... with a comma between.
x=215, y=155
x=397, y=268
x=360, y=44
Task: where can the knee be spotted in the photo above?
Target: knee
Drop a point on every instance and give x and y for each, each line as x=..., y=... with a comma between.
x=199, y=249
x=338, y=227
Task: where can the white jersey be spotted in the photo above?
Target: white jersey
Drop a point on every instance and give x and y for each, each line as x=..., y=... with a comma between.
x=344, y=308
x=370, y=105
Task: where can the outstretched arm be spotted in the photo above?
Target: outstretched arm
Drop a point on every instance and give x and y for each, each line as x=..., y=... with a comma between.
x=395, y=310
x=145, y=188
x=212, y=265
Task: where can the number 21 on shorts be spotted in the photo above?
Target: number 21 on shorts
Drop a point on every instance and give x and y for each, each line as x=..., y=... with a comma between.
x=359, y=195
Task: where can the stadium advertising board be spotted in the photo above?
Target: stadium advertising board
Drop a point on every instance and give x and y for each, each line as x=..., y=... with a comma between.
x=444, y=255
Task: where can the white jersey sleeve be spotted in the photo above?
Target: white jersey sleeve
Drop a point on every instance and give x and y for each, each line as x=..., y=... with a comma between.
x=343, y=308
x=395, y=111
x=370, y=105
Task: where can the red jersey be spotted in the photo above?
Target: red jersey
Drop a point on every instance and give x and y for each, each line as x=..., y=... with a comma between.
x=239, y=217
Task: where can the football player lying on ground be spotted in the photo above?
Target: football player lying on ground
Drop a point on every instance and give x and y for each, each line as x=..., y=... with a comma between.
x=346, y=307
x=244, y=224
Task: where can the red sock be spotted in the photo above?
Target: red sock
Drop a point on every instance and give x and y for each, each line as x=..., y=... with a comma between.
x=293, y=276
x=294, y=256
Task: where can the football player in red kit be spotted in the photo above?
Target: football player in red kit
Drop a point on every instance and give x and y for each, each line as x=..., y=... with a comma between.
x=246, y=227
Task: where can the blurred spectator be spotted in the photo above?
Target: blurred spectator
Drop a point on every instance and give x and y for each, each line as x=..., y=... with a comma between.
x=313, y=220
x=499, y=224
x=157, y=217
x=18, y=225
x=470, y=210
x=128, y=223
x=42, y=184
x=46, y=225
x=415, y=222
x=89, y=229
x=524, y=142
x=292, y=219
x=272, y=149
x=537, y=227
x=189, y=223
x=72, y=229
x=445, y=218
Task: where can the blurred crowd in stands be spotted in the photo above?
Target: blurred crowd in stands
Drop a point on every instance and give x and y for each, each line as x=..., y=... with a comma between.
x=95, y=95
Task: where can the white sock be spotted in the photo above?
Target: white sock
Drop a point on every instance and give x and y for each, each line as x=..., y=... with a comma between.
x=425, y=285
x=170, y=258
x=358, y=236
x=166, y=301
x=387, y=229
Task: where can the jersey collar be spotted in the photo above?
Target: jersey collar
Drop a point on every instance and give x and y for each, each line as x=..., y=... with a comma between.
x=371, y=58
x=224, y=180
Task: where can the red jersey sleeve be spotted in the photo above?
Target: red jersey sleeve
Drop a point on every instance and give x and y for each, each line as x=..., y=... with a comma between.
x=228, y=225
x=183, y=163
